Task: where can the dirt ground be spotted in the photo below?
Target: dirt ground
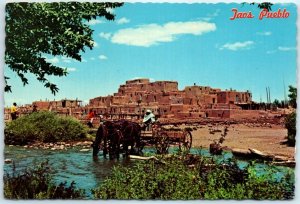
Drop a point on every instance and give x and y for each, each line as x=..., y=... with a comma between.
x=266, y=139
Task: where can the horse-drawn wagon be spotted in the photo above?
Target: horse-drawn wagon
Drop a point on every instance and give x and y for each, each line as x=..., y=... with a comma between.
x=115, y=137
x=164, y=137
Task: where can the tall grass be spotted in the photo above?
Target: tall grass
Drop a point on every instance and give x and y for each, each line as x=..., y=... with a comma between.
x=37, y=183
x=175, y=179
x=43, y=126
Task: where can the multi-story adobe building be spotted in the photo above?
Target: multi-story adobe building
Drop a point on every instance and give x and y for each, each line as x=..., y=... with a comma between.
x=162, y=97
x=166, y=100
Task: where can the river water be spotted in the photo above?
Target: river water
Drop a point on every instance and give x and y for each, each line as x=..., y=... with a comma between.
x=79, y=166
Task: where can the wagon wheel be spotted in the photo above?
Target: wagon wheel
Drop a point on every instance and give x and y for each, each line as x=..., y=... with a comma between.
x=185, y=143
x=162, y=143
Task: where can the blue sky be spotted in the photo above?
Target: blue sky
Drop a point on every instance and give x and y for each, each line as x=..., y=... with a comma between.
x=188, y=43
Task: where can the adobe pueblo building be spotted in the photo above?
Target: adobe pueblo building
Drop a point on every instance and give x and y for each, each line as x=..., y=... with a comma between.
x=166, y=101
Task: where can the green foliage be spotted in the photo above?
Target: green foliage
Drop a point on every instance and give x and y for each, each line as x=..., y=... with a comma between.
x=290, y=125
x=43, y=126
x=293, y=96
x=36, y=183
x=264, y=5
x=61, y=29
x=277, y=103
x=172, y=178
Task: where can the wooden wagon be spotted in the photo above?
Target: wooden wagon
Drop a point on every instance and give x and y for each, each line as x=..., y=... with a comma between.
x=162, y=138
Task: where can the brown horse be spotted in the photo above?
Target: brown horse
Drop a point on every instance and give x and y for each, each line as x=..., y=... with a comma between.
x=131, y=136
x=115, y=137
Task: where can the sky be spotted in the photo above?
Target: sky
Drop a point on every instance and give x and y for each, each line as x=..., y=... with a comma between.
x=188, y=43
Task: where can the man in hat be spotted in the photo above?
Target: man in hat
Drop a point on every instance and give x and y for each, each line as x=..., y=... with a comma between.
x=149, y=119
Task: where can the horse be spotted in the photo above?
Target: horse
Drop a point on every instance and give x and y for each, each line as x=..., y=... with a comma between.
x=108, y=138
x=131, y=136
x=114, y=134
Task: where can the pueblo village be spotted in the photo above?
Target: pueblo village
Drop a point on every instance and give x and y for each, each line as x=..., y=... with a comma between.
x=205, y=110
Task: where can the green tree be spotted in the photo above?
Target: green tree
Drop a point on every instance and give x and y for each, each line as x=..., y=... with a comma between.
x=290, y=125
x=276, y=103
x=293, y=96
x=58, y=29
x=264, y=5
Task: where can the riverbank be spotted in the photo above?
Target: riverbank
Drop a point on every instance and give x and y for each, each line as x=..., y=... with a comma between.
x=267, y=138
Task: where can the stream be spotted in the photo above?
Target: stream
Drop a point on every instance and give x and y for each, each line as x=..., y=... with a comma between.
x=79, y=166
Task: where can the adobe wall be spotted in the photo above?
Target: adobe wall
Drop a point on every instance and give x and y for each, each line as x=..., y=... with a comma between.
x=218, y=113
x=136, y=81
x=192, y=91
x=244, y=114
x=234, y=97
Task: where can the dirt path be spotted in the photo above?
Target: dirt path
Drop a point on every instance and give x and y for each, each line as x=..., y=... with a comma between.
x=265, y=139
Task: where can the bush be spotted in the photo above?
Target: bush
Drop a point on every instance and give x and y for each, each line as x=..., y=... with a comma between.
x=36, y=183
x=290, y=125
x=173, y=179
x=43, y=126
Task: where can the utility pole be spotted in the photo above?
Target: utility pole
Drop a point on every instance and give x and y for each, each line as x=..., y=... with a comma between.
x=270, y=98
x=267, y=97
x=284, y=92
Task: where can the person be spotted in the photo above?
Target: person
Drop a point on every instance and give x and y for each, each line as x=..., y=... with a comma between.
x=148, y=120
x=14, y=111
x=91, y=116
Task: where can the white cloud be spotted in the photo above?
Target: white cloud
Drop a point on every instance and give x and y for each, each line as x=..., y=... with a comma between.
x=237, y=45
x=105, y=35
x=92, y=58
x=153, y=34
x=53, y=60
x=94, y=22
x=83, y=60
x=123, y=20
x=102, y=57
x=284, y=49
x=266, y=33
x=206, y=18
x=67, y=61
x=71, y=69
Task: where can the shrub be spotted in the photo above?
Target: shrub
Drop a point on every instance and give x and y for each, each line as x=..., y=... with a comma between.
x=290, y=125
x=36, y=183
x=43, y=126
x=173, y=179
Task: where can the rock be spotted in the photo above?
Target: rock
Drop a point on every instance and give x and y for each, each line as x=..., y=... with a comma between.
x=10, y=145
x=26, y=146
x=288, y=163
x=280, y=158
x=260, y=154
x=84, y=150
x=88, y=142
x=241, y=152
x=78, y=144
x=8, y=161
x=53, y=148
